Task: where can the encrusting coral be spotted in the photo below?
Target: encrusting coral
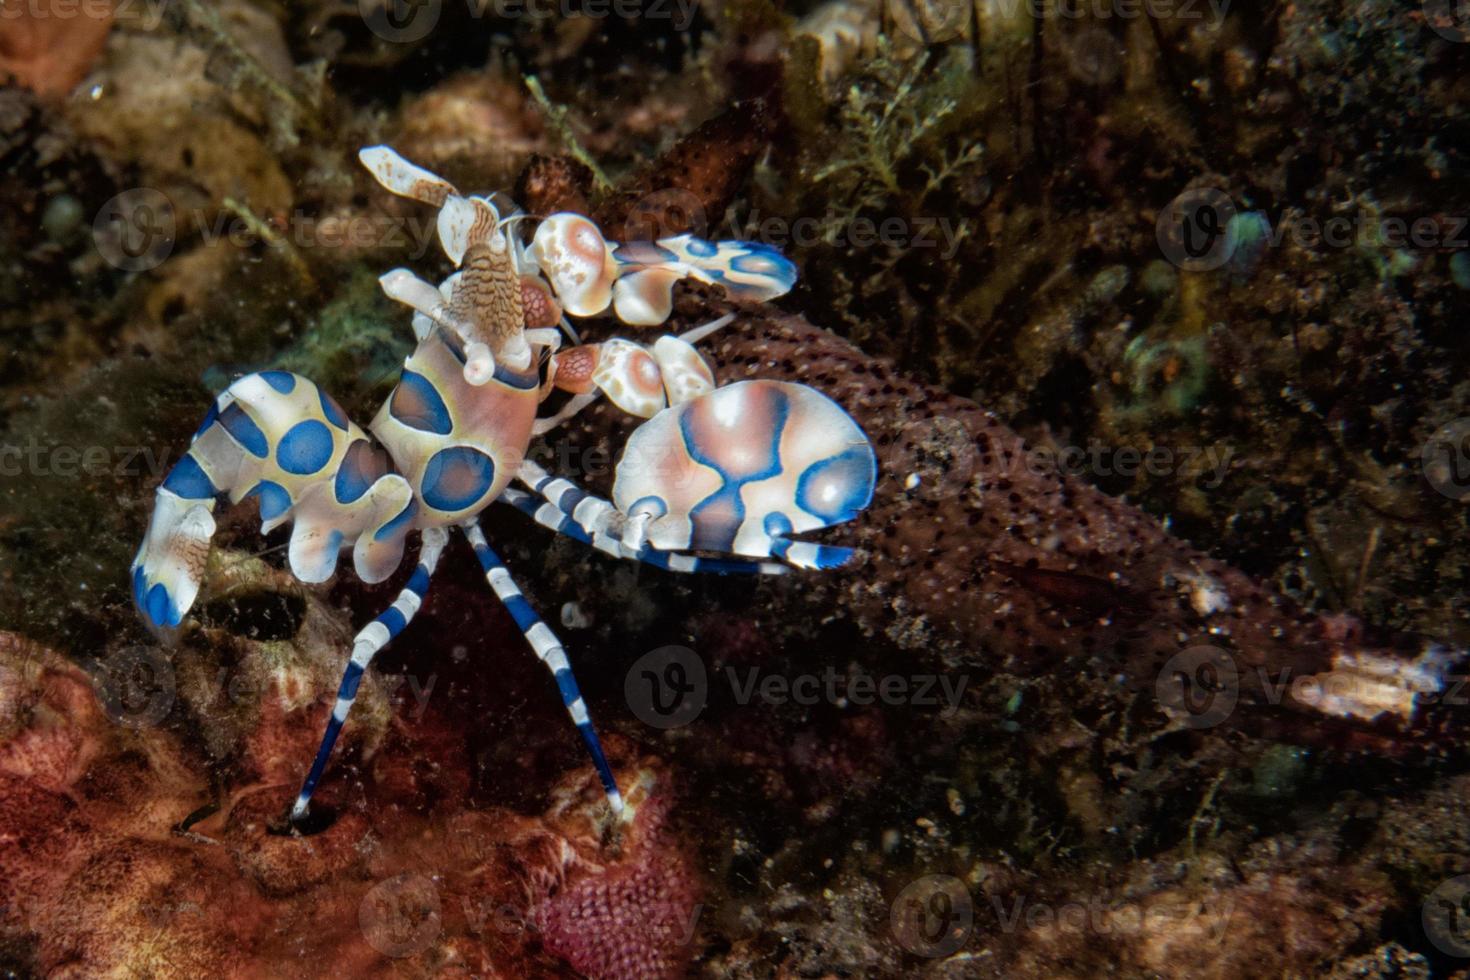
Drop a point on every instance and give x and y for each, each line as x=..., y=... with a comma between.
x=109, y=865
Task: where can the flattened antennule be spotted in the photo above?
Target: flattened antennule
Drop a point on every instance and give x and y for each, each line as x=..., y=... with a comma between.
x=403, y=178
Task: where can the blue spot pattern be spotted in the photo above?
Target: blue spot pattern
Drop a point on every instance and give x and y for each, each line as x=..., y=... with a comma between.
x=155, y=603
x=657, y=506
x=416, y=403
x=456, y=478
x=274, y=499
x=700, y=247
x=189, y=481
x=242, y=429
x=305, y=448
x=392, y=527
x=282, y=381
x=719, y=535
x=332, y=410
x=643, y=253
x=854, y=469
x=209, y=418
x=359, y=470
x=831, y=556
x=765, y=261
x=515, y=379
x=777, y=524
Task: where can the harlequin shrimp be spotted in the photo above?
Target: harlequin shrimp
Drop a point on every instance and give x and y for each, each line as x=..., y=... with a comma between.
x=736, y=470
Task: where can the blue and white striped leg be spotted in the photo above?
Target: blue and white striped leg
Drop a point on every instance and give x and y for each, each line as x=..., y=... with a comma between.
x=372, y=638
x=604, y=527
x=549, y=651
x=548, y=515
x=597, y=517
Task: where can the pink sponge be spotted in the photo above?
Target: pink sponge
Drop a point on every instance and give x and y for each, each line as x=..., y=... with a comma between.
x=635, y=919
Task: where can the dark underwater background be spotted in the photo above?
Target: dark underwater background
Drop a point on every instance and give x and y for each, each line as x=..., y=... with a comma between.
x=1151, y=660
